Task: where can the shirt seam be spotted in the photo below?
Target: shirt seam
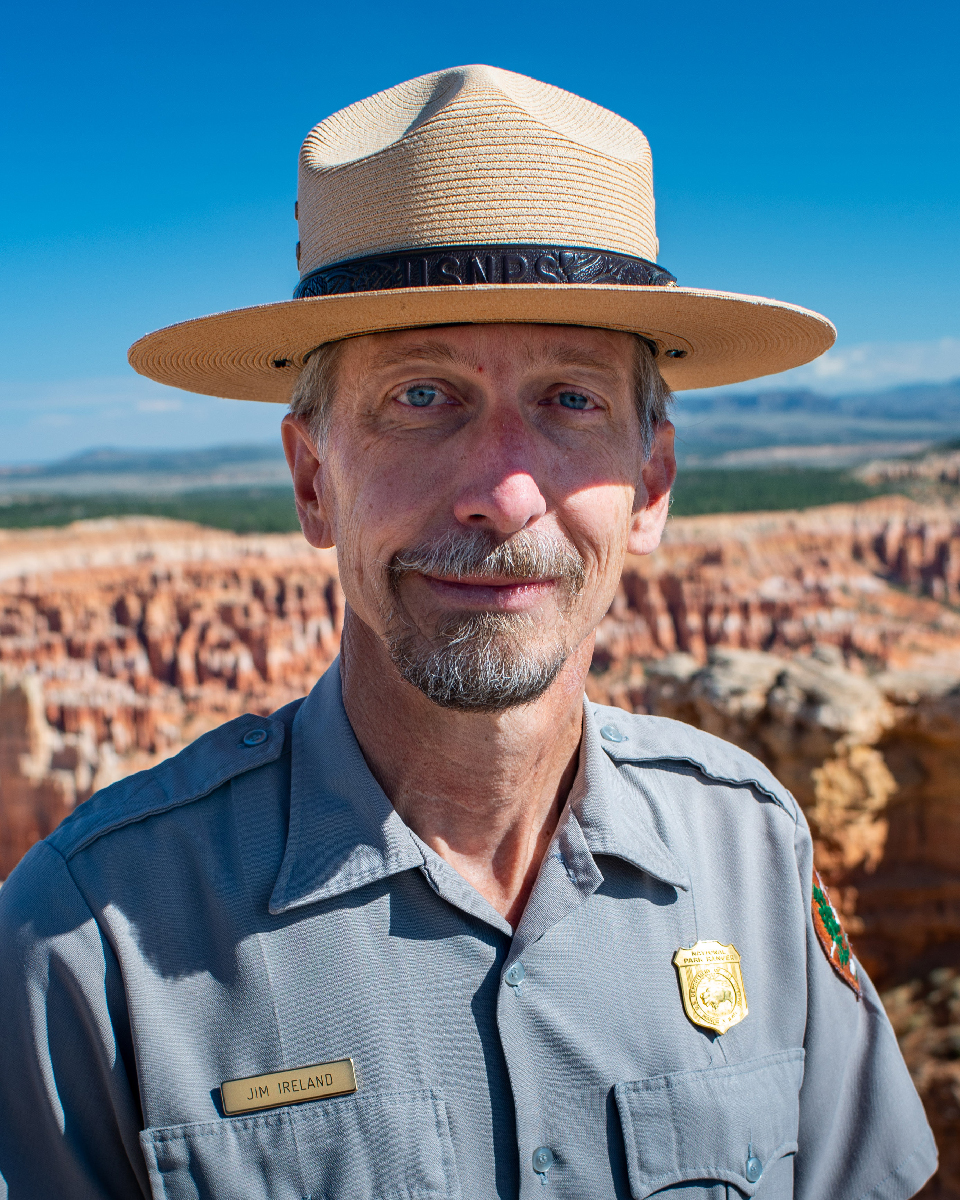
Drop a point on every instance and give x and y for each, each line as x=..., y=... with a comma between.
x=621, y=755
x=123, y=979
x=808, y=946
x=166, y=803
x=899, y=1167
x=89, y=838
x=747, y=782
x=265, y=963
x=281, y=1042
x=288, y=1114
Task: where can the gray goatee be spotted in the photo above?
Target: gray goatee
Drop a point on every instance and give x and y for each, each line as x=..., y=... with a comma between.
x=482, y=661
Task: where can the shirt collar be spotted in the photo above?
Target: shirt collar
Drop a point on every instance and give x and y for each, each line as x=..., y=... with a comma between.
x=344, y=832
x=614, y=814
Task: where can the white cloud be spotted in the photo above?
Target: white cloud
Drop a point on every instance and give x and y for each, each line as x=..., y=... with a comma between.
x=872, y=366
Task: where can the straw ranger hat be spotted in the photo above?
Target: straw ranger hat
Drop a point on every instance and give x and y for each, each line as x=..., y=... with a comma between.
x=478, y=195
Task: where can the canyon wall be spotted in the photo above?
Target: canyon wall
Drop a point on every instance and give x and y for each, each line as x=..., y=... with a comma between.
x=825, y=642
x=123, y=640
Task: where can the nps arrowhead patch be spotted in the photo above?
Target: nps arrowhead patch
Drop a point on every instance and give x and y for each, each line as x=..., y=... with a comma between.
x=835, y=943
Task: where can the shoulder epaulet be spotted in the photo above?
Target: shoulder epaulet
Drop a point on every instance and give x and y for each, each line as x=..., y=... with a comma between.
x=199, y=769
x=661, y=739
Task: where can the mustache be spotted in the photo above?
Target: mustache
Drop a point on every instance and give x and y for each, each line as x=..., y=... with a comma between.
x=480, y=554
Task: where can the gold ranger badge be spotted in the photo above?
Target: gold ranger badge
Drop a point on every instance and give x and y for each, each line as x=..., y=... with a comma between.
x=711, y=985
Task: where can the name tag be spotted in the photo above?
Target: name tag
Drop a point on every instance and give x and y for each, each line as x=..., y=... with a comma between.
x=288, y=1087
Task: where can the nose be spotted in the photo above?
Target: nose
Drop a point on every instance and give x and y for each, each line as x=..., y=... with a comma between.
x=499, y=490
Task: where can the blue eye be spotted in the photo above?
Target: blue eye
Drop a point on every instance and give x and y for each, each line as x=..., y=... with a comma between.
x=420, y=397
x=572, y=400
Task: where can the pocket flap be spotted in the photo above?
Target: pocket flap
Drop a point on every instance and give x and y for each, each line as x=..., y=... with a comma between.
x=703, y=1125
x=355, y=1148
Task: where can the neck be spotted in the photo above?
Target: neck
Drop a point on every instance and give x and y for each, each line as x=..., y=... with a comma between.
x=484, y=790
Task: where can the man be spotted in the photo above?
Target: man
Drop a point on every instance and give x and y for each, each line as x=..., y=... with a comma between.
x=443, y=929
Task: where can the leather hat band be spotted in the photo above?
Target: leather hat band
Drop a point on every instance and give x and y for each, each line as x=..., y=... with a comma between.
x=438, y=265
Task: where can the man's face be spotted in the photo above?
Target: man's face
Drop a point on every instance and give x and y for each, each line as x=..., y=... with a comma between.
x=482, y=485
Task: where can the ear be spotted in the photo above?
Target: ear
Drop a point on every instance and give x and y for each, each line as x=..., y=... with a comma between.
x=306, y=470
x=652, y=504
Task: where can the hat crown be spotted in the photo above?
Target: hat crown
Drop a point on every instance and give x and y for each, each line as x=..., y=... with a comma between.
x=475, y=195
x=470, y=156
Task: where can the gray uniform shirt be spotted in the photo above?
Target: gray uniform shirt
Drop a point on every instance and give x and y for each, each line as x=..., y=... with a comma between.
x=248, y=908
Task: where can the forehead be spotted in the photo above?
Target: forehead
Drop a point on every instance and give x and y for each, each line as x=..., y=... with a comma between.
x=503, y=348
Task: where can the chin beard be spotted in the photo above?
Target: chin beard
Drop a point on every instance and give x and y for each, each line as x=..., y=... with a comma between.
x=482, y=661
x=477, y=662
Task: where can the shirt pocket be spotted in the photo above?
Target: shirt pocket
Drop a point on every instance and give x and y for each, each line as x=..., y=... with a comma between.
x=372, y=1147
x=703, y=1126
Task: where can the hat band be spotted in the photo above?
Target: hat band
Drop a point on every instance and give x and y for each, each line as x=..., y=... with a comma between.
x=435, y=266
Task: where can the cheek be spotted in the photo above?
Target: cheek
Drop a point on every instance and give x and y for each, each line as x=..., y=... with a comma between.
x=387, y=500
x=598, y=472
x=376, y=508
x=597, y=519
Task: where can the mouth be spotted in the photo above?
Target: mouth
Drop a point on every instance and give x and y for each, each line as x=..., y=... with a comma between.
x=493, y=593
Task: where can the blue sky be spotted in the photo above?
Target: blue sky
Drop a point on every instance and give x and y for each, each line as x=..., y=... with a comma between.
x=809, y=152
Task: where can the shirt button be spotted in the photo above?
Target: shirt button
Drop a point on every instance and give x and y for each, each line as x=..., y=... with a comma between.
x=515, y=975
x=612, y=734
x=542, y=1159
x=754, y=1169
x=255, y=737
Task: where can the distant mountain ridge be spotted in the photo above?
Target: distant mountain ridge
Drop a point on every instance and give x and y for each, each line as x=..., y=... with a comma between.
x=111, y=459
x=109, y=469
x=915, y=401
x=713, y=424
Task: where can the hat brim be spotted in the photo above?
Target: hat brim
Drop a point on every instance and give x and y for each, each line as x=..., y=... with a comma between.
x=257, y=353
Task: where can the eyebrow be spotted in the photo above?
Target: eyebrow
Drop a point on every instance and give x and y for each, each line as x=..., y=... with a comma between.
x=571, y=357
x=418, y=352
x=440, y=351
